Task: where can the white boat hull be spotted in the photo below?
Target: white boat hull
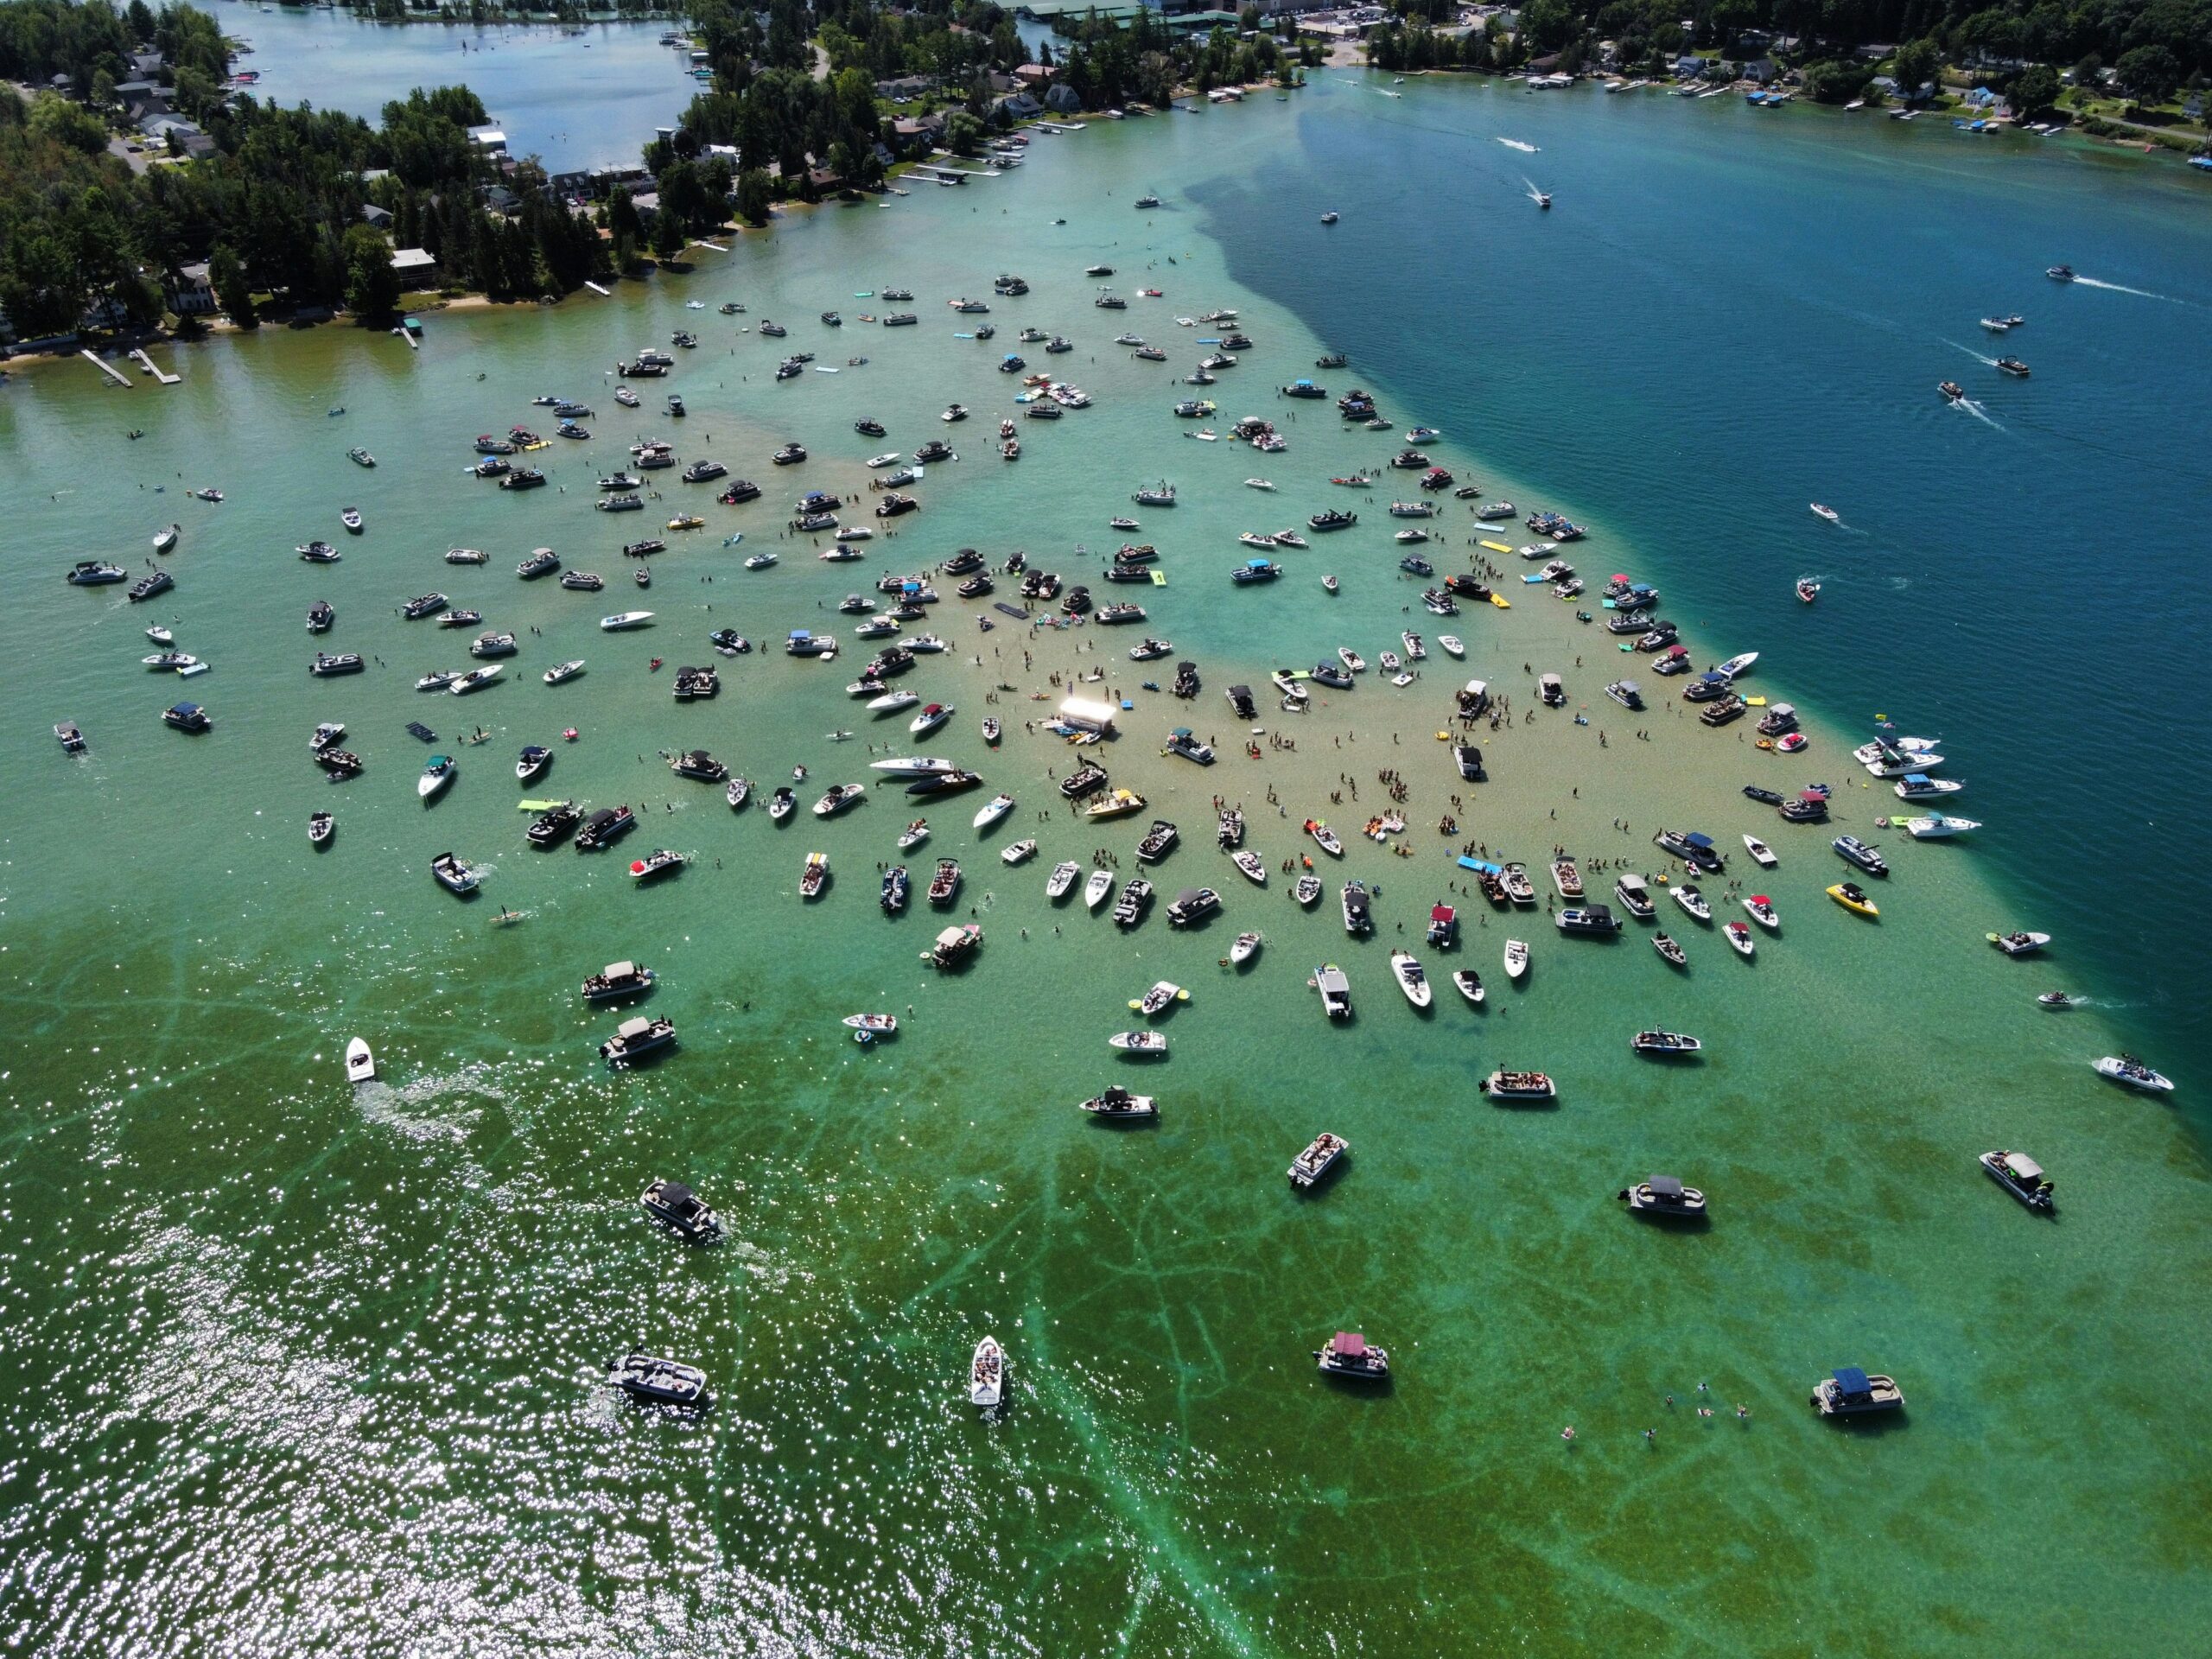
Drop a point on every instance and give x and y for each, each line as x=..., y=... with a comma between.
x=360, y=1064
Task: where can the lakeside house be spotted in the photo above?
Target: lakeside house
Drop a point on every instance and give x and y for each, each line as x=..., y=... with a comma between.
x=189, y=293
x=416, y=267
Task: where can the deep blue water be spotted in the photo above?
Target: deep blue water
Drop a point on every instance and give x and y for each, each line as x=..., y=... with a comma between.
x=2015, y=577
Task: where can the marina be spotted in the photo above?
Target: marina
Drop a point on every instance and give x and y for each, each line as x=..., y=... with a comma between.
x=426, y=1275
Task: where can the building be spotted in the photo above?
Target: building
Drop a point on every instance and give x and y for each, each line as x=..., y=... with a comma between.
x=187, y=137
x=488, y=138
x=380, y=217
x=417, y=267
x=189, y=292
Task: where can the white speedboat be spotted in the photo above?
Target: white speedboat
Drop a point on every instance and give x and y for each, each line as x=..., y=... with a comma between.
x=1867, y=754
x=1163, y=995
x=912, y=766
x=1516, y=958
x=621, y=619
x=1736, y=666
x=987, y=1374
x=1246, y=947
x=1451, y=644
x=993, y=809
x=361, y=1064
x=1469, y=984
x=1935, y=826
x=1251, y=864
x=436, y=776
x=1740, y=938
x=932, y=716
x=915, y=833
x=2127, y=1070
x=1096, y=889
x=1139, y=1042
x=1061, y=878
x=1693, y=901
x=891, y=702
x=1763, y=912
x=1413, y=980
x=567, y=670
x=1762, y=855
x=1020, y=851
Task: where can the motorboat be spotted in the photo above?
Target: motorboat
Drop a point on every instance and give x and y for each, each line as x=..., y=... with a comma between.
x=2126, y=1070
x=1567, y=877
x=1853, y=851
x=1469, y=984
x=1412, y=978
x=1451, y=644
x=1666, y=1045
x=1516, y=958
x=1762, y=855
x=1116, y=804
x=840, y=797
x=1136, y=899
x=896, y=886
x=1058, y=884
x=476, y=679
x=1306, y=891
x=1519, y=1085
x=1596, y=919
x=2056, y=1000
x=1335, y=989
x=1118, y=1104
x=452, y=874
x=1322, y=1154
x=2017, y=944
x=912, y=766
x=1739, y=938
x=1020, y=852
x=992, y=810
x=659, y=862
x=617, y=982
x=1096, y=889
x=1854, y=898
x=1663, y=1196
x=1251, y=864
x=1635, y=896
x=1324, y=838
x=1157, y=842
x=622, y=620
x=1671, y=950
x=2021, y=1176
x=1762, y=910
x=944, y=881
x=561, y=672
x=1513, y=878
x=1850, y=1392
x=532, y=763
x=1935, y=826
x=603, y=827
x=660, y=1382
x=435, y=777
x=987, y=1375
x=1163, y=995
x=1692, y=900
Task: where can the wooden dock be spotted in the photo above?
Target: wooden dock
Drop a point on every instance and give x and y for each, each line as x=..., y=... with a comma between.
x=107, y=369
x=148, y=364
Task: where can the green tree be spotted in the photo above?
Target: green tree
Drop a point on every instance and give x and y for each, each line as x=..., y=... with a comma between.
x=2035, y=88
x=1918, y=64
x=622, y=219
x=2150, y=73
x=963, y=133
x=58, y=119
x=226, y=274
x=371, y=285
x=754, y=195
x=668, y=234
x=1835, y=81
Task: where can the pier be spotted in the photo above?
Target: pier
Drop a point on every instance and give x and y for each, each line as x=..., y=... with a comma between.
x=148, y=364
x=107, y=369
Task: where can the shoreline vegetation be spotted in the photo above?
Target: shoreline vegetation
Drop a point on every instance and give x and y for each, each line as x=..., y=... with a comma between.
x=146, y=194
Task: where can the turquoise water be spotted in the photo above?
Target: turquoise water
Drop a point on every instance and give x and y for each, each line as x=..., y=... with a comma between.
x=587, y=99
x=295, y=1367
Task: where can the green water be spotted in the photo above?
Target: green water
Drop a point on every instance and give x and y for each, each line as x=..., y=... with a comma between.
x=295, y=1368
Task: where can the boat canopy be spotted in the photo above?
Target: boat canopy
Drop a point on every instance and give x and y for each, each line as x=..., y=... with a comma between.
x=677, y=1196
x=1188, y=896
x=1441, y=912
x=1478, y=688
x=1347, y=1344
x=1665, y=1186
x=1696, y=839
x=1850, y=1380
x=2022, y=1167
x=619, y=970
x=802, y=633
x=1810, y=795
x=630, y=1030
x=1180, y=731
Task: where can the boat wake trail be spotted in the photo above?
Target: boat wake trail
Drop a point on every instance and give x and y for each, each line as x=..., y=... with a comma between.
x=1986, y=362
x=1529, y=150
x=1977, y=411
x=1534, y=195
x=2122, y=288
